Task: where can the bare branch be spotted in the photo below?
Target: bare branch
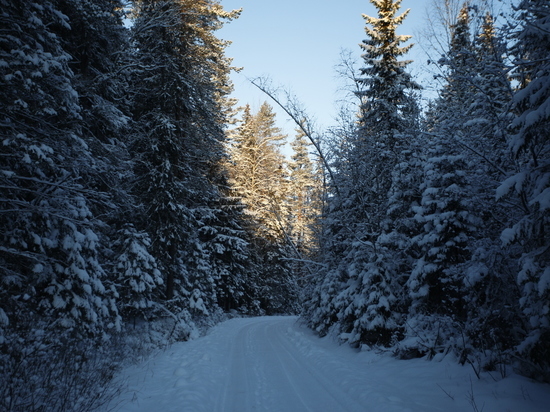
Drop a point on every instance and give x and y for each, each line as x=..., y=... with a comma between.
x=299, y=117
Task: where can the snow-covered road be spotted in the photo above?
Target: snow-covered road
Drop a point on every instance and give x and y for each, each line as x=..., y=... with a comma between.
x=276, y=364
x=269, y=372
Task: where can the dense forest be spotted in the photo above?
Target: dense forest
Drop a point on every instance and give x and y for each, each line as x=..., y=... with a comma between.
x=139, y=204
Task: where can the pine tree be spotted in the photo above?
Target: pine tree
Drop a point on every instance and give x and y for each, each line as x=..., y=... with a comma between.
x=257, y=171
x=178, y=104
x=58, y=302
x=49, y=240
x=259, y=178
x=530, y=145
x=358, y=285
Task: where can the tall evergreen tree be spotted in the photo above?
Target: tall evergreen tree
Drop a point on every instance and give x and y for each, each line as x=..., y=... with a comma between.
x=385, y=99
x=530, y=144
x=484, y=140
x=305, y=200
x=49, y=249
x=445, y=210
x=258, y=176
x=177, y=103
x=257, y=170
x=452, y=284
x=361, y=275
x=98, y=44
x=58, y=302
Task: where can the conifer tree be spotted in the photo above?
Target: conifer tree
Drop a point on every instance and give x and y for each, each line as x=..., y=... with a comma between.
x=233, y=262
x=485, y=141
x=49, y=242
x=384, y=137
x=361, y=275
x=385, y=98
x=257, y=171
x=305, y=199
x=530, y=145
x=138, y=278
x=259, y=178
x=492, y=95
x=444, y=212
x=99, y=47
x=177, y=103
x=58, y=302
x=451, y=283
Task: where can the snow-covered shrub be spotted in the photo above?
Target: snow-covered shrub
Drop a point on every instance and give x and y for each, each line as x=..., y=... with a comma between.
x=432, y=335
x=43, y=368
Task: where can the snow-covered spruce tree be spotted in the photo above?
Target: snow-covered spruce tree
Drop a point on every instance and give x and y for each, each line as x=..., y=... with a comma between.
x=492, y=92
x=435, y=284
x=49, y=247
x=362, y=276
x=388, y=122
x=98, y=44
x=234, y=264
x=227, y=242
x=257, y=171
x=461, y=264
x=137, y=276
x=448, y=214
x=318, y=307
x=386, y=99
x=178, y=96
x=54, y=298
x=100, y=52
x=489, y=278
x=436, y=281
x=530, y=144
x=259, y=178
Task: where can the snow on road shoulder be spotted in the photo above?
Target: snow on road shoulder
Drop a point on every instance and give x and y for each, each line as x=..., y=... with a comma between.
x=203, y=375
x=384, y=383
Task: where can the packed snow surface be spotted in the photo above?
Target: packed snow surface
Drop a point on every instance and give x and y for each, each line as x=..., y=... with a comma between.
x=277, y=364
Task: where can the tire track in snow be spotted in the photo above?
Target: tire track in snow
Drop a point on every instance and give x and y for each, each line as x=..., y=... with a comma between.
x=326, y=393
x=240, y=380
x=269, y=373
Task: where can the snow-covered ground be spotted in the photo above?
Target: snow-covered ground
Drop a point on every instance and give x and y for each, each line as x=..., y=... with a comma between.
x=277, y=364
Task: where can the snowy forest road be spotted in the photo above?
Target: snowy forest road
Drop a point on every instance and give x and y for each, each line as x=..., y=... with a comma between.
x=269, y=372
x=276, y=364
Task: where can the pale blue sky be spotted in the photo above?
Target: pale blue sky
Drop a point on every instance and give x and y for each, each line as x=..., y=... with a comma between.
x=297, y=43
